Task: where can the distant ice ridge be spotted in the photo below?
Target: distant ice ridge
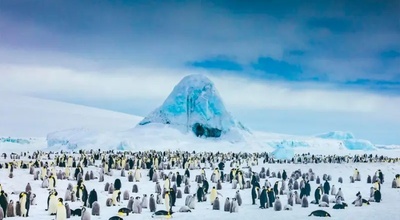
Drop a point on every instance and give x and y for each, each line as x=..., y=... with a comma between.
x=348, y=140
x=336, y=135
x=14, y=140
x=195, y=106
x=288, y=144
x=70, y=139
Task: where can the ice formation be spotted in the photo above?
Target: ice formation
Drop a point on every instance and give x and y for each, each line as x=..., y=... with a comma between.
x=195, y=106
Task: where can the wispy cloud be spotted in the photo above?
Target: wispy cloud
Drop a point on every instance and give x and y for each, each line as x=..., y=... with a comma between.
x=332, y=57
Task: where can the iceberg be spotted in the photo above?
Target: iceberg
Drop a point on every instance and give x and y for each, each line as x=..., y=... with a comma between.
x=195, y=106
x=283, y=153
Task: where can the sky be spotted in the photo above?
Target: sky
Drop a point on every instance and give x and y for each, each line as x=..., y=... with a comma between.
x=296, y=67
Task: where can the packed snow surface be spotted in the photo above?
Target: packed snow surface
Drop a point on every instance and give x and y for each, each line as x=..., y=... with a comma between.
x=387, y=209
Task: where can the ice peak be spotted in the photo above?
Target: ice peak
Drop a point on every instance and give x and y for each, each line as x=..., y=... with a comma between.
x=195, y=106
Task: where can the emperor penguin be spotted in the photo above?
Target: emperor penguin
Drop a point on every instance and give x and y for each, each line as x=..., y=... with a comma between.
x=23, y=201
x=109, y=202
x=234, y=206
x=297, y=199
x=126, y=195
x=17, y=208
x=227, y=205
x=145, y=202
x=304, y=202
x=68, y=210
x=10, y=209
x=157, y=188
x=192, y=202
x=138, y=175
x=28, y=188
x=53, y=202
x=130, y=176
x=187, y=189
x=340, y=194
x=61, y=212
x=45, y=182
x=106, y=186
x=130, y=203
x=85, y=214
x=179, y=194
x=184, y=209
x=394, y=183
x=136, y=206
x=238, y=198
x=159, y=199
x=215, y=204
x=67, y=196
x=219, y=185
x=325, y=198
x=135, y=188
x=277, y=204
x=33, y=199
x=101, y=177
x=92, y=197
x=290, y=199
x=114, y=197
x=152, y=203
x=117, y=184
x=213, y=195
x=167, y=201
x=96, y=209
x=111, y=189
x=52, y=182
x=333, y=190
x=36, y=175
x=187, y=199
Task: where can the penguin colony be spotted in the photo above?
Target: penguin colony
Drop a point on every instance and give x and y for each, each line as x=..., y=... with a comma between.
x=170, y=173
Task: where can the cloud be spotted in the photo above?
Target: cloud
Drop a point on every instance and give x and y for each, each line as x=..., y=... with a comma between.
x=217, y=63
x=278, y=69
x=157, y=83
x=337, y=58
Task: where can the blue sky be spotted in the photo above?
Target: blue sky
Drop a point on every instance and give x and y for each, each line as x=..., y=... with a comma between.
x=314, y=66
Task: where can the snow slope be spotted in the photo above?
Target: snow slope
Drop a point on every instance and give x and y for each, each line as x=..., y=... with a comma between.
x=22, y=116
x=194, y=104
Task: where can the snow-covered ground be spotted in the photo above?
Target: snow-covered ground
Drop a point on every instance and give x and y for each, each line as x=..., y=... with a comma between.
x=387, y=209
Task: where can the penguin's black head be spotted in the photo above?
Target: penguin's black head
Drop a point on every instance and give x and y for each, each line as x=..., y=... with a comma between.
x=60, y=200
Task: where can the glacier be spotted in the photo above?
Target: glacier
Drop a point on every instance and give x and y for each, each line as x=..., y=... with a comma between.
x=195, y=106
